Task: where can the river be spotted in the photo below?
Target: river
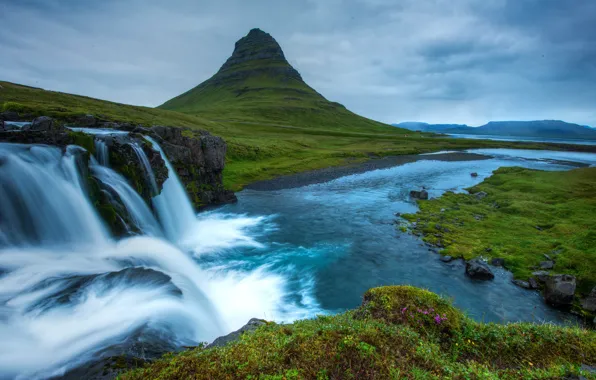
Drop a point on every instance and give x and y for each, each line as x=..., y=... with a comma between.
x=70, y=293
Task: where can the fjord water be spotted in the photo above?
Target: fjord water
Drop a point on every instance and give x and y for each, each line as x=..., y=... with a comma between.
x=69, y=292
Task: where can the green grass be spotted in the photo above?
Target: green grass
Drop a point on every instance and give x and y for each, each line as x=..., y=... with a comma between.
x=527, y=213
x=263, y=142
x=393, y=335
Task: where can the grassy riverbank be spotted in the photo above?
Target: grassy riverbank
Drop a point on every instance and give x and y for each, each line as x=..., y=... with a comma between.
x=399, y=332
x=261, y=146
x=526, y=215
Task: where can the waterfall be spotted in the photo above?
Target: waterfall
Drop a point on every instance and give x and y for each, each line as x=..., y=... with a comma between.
x=70, y=293
x=42, y=199
x=67, y=289
x=148, y=171
x=174, y=209
x=135, y=205
x=102, y=152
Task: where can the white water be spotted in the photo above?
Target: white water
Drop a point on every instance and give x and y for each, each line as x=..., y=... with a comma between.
x=135, y=205
x=102, y=152
x=68, y=291
x=173, y=206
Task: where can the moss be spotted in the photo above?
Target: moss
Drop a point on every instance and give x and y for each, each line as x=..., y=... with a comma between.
x=375, y=342
x=83, y=140
x=104, y=208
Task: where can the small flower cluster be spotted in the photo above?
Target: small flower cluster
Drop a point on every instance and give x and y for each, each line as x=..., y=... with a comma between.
x=413, y=314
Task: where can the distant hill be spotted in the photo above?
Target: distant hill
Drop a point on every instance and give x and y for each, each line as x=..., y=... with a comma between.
x=536, y=128
x=257, y=84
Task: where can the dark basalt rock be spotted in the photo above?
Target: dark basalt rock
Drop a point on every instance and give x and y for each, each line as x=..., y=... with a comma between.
x=559, y=290
x=423, y=194
x=199, y=160
x=547, y=265
x=479, y=270
x=522, y=284
x=251, y=326
x=589, y=303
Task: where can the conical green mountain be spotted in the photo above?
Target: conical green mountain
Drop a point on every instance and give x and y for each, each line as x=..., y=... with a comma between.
x=257, y=84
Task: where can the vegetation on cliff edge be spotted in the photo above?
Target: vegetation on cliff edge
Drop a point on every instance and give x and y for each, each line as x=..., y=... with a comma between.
x=399, y=332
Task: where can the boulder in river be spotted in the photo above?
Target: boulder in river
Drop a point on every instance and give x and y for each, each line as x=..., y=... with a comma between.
x=423, y=194
x=522, y=284
x=479, y=270
x=251, y=326
x=446, y=259
x=559, y=290
x=474, y=174
x=533, y=283
x=589, y=303
x=541, y=275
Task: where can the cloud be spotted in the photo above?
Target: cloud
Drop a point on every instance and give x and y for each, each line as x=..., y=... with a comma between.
x=457, y=61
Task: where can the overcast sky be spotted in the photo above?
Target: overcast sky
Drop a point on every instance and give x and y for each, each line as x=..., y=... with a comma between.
x=440, y=61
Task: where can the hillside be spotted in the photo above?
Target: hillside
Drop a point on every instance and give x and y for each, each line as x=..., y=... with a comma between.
x=272, y=121
x=257, y=84
x=535, y=128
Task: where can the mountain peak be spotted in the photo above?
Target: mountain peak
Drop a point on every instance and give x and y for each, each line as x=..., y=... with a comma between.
x=256, y=47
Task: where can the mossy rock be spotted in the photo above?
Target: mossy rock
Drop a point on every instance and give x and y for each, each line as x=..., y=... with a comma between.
x=426, y=312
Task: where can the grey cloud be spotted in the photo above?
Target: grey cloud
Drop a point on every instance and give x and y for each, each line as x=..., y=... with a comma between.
x=461, y=61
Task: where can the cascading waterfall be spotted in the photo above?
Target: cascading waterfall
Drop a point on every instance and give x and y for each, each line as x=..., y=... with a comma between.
x=70, y=293
x=173, y=206
x=135, y=205
x=42, y=201
x=102, y=152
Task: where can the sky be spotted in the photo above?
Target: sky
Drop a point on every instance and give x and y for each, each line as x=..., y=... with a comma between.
x=438, y=61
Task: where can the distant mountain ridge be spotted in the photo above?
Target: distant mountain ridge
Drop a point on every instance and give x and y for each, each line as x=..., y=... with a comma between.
x=534, y=128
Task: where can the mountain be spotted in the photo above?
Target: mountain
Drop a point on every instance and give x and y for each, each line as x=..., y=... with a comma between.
x=257, y=84
x=425, y=127
x=535, y=128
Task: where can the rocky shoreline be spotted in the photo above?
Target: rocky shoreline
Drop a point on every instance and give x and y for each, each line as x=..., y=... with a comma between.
x=439, y=231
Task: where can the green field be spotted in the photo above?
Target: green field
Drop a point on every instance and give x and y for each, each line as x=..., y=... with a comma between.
x=399, y=332
x=259, y=147
x=526, y=214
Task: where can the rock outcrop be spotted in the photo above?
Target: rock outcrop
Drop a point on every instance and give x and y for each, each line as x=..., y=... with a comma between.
x=199, y=160
x=251, y=326
x=478, y=270
x=559, y=290
x=423, y=194
x=589, y=303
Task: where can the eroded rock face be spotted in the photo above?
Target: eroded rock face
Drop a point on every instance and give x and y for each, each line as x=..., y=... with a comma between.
x=479, y=270
x=199, y=160
x=559, y=290
x=589, y=303
x=251, y=326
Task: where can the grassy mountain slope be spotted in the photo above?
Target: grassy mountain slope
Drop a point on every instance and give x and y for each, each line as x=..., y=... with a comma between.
x=257, y=84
